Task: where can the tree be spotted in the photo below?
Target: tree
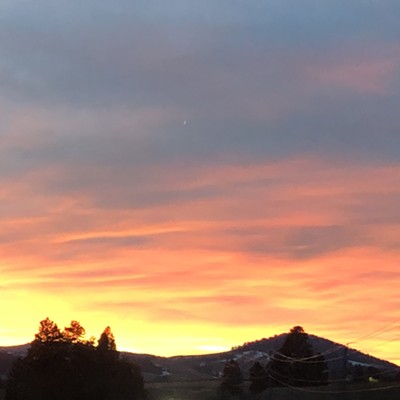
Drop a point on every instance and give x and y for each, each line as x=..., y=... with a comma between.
x=231, y=380
x=74, y=333
x=107, y=341
x=48, y=332
x=258, y=378
x=295, y=363
x=296, y=344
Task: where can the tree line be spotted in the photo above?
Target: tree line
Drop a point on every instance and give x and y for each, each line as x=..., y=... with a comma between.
x=63, y=365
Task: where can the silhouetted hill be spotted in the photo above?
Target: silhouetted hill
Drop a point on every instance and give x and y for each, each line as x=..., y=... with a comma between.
x=333, y=353
x=8, y=355
x=18, y=350
x=210, y=366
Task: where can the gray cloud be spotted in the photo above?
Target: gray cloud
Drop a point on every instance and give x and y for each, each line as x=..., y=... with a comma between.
x=231, y=71
x=96, y=94
x=297, y=243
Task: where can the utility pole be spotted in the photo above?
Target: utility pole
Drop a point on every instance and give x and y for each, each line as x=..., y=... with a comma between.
x=343, y=396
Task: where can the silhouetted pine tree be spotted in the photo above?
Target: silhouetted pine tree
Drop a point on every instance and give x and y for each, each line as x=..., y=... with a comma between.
x=48, y=332
x=294, y=363
x=258, y=378
x=232, y=380
x=74, y=333
x=107, y=341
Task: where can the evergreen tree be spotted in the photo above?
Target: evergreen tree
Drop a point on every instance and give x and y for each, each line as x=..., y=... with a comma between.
x=295, y=363
x=107, y=341
x=258, y=378
x=48, y=332
x=74, y=333
x=232, y=380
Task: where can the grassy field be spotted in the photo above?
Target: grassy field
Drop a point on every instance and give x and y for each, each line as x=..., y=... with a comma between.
x=183, y=390
x=209, y=391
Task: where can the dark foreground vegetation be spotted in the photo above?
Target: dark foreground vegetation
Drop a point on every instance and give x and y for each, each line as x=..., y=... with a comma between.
x=61, y=365
x=294, y=365
x=208, y=391
x=295, y=371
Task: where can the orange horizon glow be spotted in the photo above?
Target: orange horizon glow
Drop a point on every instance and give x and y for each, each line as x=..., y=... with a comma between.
x=213, y=272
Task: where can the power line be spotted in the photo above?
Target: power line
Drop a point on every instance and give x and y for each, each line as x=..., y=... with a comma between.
x=329, y=351
x=322, y=381
x=375, y=332
x=338, y=347
x=329, y=381
x=397, y=386
x=383, y=342
x=291, y=360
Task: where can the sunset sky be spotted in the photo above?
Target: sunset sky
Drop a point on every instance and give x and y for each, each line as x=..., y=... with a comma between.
x=201, y=173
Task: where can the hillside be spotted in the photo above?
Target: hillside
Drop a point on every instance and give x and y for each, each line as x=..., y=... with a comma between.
x=210, y=366
x=8, y=356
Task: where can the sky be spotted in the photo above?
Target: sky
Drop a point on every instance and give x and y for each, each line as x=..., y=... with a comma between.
x=198, y=174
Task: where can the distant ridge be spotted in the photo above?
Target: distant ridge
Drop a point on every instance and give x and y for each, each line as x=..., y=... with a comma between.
x=333, y=353
x=210, y=366
x=320, y=345
x=19, y=349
